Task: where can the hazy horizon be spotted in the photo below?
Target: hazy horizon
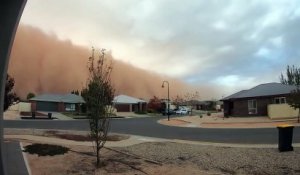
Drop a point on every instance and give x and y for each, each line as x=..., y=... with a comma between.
x=214, y=47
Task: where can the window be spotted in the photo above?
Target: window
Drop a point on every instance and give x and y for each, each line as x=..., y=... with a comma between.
x=252, y=107
x=279, y=100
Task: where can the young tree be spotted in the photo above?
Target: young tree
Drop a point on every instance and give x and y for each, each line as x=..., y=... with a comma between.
x=9, y=97
x=98, y=96
x=292, y=76
x=30, y=95
x=294, y=100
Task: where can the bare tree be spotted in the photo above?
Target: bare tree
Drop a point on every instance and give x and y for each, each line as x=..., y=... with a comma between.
x=177, y=101
x=191, y=99
x=98, y=96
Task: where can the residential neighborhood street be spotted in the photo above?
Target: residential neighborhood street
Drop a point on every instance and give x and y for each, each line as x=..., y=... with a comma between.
x=148, y=126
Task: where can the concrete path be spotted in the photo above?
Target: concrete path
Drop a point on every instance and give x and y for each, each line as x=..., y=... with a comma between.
x=58, y=115
x=13, y=159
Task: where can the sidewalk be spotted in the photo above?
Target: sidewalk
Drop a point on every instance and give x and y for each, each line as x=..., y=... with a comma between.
x=218, y=121
x=14, y=162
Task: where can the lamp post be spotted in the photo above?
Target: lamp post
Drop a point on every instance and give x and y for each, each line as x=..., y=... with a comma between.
x=168, y=98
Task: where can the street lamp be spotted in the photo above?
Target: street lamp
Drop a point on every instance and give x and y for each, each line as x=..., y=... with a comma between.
x=168, y=98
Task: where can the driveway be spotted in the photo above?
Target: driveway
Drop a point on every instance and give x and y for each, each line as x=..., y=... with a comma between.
x=149, y=127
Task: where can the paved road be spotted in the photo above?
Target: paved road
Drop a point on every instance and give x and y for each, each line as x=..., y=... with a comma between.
x=149, y=127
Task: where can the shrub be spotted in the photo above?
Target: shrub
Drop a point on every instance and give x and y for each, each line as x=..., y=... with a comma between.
x=140, y=112
x=208, y=113
x=45, y=149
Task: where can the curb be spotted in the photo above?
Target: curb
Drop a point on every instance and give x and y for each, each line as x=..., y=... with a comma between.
x=226, y=125
x=136, y=139
x=25, y=160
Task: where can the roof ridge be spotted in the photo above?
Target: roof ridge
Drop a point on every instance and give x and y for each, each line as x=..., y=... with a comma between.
x=265, y=89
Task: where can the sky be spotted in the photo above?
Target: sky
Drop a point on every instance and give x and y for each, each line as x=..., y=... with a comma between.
x=226, y=44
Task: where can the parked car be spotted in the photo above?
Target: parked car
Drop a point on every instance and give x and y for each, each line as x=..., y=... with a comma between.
x=182, y=111
x=171, y=112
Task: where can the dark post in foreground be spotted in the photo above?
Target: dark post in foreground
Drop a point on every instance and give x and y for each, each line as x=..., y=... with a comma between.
x=10, y=13
x=168, y=102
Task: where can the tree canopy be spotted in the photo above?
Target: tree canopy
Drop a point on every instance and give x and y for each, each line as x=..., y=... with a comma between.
x=30, y=95
x=292, y=76
x=9, y=96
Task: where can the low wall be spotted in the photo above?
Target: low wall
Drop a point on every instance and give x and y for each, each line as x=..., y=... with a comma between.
x=281, y=111
x=25, y=107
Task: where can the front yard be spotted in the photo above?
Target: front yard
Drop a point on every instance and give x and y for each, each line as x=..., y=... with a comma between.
x=168, y=158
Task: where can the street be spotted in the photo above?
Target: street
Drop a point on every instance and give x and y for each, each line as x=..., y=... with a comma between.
x=148, y=126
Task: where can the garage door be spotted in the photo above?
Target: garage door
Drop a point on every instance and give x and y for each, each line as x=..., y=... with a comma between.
x=46, y=106
x=122, y=107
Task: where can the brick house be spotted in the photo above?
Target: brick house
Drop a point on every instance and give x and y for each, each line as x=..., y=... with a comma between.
x=56, y=102
x=124, y=103
x=255, y=101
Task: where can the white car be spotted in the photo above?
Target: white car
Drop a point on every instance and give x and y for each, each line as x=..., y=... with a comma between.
x=182, y=111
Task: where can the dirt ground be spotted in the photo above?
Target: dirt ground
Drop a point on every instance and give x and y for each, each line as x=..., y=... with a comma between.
x=167, y=158
x=80, y=160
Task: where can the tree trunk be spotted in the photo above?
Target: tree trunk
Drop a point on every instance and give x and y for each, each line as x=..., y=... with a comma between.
x=299, y=115
x=98, y=155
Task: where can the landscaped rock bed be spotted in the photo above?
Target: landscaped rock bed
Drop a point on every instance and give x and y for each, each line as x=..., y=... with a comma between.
x=221, y=159
x=172, y=158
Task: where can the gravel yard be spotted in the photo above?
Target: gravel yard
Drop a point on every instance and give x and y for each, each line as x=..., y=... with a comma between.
x=224, y=160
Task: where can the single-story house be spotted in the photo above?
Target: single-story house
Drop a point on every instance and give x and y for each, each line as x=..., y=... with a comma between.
x=124, y=103
x=255, y=101
x=56, y=102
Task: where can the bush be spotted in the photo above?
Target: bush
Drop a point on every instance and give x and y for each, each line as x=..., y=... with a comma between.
x=152, y=111
x=200, y=116
x=208, y=113
x=140, y=112
x=45, y=149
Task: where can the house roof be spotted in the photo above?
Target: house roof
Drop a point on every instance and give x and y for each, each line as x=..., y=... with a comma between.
x=66, y=98
x=268, y=89
x=124, y=99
